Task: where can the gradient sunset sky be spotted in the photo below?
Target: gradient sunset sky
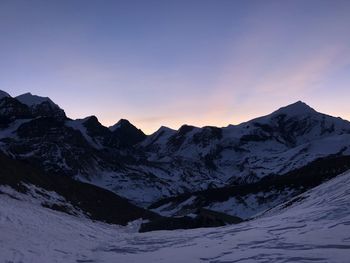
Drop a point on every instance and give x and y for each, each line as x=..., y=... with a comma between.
x=174, y=62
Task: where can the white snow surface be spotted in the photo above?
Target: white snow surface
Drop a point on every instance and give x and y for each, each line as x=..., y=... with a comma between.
x=314, y=229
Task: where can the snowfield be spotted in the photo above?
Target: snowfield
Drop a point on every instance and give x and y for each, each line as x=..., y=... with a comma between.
x=313, y=227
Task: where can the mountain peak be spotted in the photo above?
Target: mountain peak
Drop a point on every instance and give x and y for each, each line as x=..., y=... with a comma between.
x=41, y=106
x=296, y=108
x=90, y=119
x=127, y=133
x=165, y=128
x=162, y=130
x=122, y=123
x=32, y=100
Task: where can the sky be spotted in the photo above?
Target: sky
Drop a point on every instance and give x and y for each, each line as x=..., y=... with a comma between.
x=169, y=63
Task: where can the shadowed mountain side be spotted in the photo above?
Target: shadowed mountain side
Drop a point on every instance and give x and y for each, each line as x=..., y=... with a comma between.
x=127, y=133
x=272, y=187
x=97, y=203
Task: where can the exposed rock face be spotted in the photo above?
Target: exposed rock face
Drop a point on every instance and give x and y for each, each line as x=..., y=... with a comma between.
x=11, y=109
x=202, y=218
x=125, y=134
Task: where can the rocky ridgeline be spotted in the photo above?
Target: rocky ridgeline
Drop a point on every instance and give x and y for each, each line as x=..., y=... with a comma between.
x=168, y=163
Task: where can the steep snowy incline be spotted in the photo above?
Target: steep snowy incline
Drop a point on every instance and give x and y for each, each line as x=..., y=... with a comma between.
x=313, y=227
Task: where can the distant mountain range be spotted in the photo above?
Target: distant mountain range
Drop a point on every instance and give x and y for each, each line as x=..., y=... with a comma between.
x=177, y=172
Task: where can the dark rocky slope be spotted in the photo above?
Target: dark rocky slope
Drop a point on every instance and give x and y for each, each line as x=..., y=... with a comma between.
x=96, y=203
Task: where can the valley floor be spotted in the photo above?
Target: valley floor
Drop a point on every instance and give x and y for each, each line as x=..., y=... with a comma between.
x=314, y=228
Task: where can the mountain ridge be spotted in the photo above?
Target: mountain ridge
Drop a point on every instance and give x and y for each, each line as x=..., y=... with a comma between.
x=146, y=168
x=298, y=107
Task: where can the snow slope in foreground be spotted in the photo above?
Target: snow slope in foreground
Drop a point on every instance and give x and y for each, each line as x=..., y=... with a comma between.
x=314, y=228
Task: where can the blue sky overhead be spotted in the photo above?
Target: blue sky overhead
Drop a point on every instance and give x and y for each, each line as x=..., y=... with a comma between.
x=165, y=62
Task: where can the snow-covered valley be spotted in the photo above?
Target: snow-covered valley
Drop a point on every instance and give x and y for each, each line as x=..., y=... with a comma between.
x=312, y=227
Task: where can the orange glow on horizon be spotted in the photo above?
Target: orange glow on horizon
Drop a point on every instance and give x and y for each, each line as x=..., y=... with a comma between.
x=149, y=127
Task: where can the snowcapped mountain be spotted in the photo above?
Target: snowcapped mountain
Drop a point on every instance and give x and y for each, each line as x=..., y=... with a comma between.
x=289, y=138
x=41, y=106
x=274, y=179
x=28, y=106
x=169, y=162
x=275, y=144
x=33, y=100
